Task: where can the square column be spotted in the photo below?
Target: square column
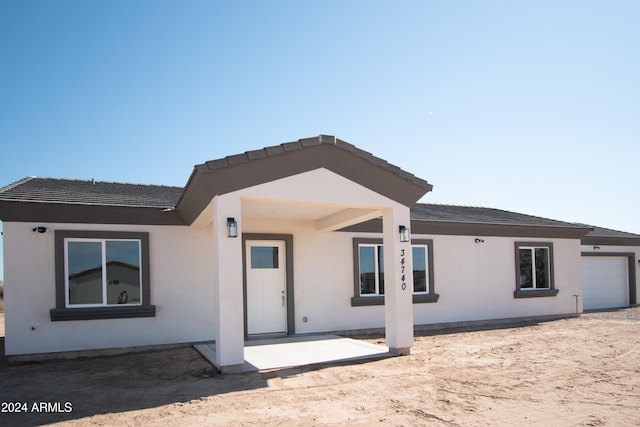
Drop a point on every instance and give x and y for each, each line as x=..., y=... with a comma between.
x=227, y=283
x=398, y=281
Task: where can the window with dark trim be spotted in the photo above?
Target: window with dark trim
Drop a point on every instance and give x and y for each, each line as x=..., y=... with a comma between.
x=368, y=260
x=534, y=270
x=101, y=275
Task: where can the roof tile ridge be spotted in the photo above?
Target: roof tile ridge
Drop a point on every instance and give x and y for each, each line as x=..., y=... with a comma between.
x=16, y=184
x=92, y=180
x=452, y=205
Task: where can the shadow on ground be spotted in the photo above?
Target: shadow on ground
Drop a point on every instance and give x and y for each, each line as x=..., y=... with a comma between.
x=100, y=385
x=124, y=383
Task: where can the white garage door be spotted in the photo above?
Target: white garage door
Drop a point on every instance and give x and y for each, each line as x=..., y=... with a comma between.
x=605, y=282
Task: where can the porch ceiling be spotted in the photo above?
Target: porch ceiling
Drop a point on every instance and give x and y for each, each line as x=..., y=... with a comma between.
x=326, y=216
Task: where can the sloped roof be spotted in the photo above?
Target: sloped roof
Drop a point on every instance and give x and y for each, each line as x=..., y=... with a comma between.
x=50, y=199
x=42, y=199
x=330, y=140
x=67, y=191
x=72, y=201
x=231, y=173
x=470, y=220
x=607, y=236
x=482, y=215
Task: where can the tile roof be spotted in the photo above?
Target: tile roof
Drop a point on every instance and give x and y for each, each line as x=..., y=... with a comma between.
x=481, y=215
x=98, y=193
x=607, y=232
x=300, y=144
x=66, y=191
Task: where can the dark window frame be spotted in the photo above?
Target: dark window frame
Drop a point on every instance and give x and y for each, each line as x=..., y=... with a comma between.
x=551, y=291
x=61, y=312
x=358, y=301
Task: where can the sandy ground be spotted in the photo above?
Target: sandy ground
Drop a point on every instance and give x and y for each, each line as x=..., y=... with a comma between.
x=582, y=372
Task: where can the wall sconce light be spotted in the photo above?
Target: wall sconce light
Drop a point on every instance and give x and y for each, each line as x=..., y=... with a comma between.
x=596, y=247
x=405, y=236
x=479, y=241
x=40, y=229
x=232, y=227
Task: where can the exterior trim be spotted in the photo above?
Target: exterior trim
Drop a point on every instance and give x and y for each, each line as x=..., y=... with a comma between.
x=288, y=240
x=610, y=241
x=535, y=293
x=86, y=214
x=631, y=266
x=360, y=301
x=478, y=229
x=61, y=312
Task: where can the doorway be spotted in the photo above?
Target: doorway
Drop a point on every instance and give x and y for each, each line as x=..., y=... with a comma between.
x=268, y=285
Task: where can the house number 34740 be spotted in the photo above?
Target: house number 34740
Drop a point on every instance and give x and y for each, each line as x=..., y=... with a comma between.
x=402, y=267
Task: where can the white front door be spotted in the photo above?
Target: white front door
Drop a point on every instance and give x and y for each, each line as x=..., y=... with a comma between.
x=266, y=287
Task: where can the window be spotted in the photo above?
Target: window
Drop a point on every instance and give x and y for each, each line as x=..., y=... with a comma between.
x=420, y=269
x=101, y=275
x=369, y=272
x=264, y=257
x=371, y=269
x=534, y=270
x=102, y=272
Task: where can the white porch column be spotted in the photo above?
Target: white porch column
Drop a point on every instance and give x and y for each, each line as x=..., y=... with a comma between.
x=227, y=264
x=398, y=282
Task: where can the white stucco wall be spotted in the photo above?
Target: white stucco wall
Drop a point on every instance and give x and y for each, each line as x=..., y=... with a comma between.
x=180, y=288
x=475, y=281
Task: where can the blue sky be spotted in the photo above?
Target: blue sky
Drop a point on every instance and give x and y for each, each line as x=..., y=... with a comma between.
x=525, y=106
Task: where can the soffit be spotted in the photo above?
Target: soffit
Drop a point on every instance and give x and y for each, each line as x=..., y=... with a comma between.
x=286, y=210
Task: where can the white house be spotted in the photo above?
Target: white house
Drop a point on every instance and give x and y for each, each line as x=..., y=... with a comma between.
x=305, y=237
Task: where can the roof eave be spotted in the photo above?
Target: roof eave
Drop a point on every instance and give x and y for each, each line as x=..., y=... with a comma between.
x=480, y=229
x=610, y=241
x=13, y=211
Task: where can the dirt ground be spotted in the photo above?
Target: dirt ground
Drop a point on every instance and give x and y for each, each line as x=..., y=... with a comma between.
x=573, y=372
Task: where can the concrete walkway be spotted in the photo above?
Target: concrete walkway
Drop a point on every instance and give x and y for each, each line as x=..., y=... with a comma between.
x=294, y=351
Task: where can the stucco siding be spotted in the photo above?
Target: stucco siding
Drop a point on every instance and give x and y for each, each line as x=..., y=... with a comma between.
x=475, y=281
x=180, y=288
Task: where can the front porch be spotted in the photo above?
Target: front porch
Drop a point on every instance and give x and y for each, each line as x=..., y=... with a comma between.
x=265, y=210
x=300, y=350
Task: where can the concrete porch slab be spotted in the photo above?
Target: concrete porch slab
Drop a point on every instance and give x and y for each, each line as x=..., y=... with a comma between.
x=295, y=351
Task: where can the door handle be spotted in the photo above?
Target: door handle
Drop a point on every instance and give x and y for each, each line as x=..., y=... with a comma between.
x=283, y=298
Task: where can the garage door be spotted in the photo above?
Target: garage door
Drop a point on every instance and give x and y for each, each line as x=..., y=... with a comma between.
x=605, y=282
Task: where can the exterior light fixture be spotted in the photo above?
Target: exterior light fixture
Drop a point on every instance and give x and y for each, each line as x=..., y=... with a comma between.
x=405, y=236
x=232, y=227
x=479, y=241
